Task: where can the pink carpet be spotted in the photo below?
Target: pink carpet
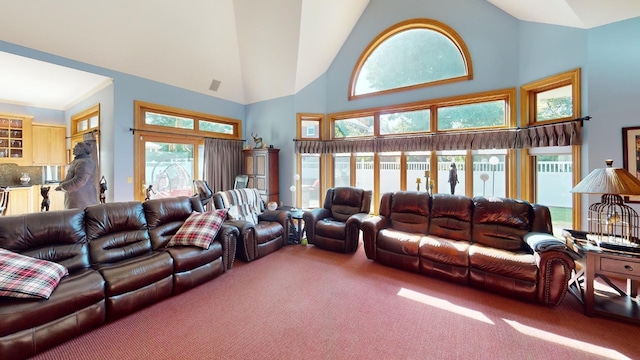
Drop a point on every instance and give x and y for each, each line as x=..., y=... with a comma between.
x=306, y=303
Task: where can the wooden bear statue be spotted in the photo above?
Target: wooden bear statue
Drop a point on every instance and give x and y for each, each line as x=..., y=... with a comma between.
x=44, y=191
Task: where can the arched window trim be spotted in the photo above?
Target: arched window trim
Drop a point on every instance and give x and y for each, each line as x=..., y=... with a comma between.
x=412, y=24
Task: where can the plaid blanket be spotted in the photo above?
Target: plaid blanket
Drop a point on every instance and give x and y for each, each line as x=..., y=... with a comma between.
x=249, y=196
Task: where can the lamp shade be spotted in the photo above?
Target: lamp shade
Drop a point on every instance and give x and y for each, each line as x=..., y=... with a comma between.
x=608, y=180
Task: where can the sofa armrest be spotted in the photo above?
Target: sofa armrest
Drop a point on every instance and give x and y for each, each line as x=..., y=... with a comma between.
x=228, y=237
x=554, y=271
x=370, y=227
x=543, y=242
x=555, y=266
x=311, y=217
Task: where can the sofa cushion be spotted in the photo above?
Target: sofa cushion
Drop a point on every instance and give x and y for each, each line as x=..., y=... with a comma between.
x=451, y=216
x=409, y=212
x=75, y=292
x=244, y=212
x=399, y=242
x=199, y=229
x=501, y=223
x=331, y=228
x=445, y=251
x=26, y=277
x=506, y=264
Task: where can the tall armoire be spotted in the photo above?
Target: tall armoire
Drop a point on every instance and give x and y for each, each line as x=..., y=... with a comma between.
x=262, y=167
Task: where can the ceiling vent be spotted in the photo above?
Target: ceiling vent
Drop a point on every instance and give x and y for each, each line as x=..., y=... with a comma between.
x=215, y=84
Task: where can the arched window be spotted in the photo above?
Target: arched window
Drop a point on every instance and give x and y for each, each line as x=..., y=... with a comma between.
x=413, y=53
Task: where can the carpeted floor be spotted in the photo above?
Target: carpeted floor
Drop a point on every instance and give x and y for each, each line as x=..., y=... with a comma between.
x=306, y=303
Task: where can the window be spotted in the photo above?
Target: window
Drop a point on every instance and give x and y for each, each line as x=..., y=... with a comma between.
x=552, y=99
x=553, y=179
x=353, y=127
x=470, y=116
x=414, y=53
x=405, y=122
x=555, y=98
x=310, y=183
x=164, y=119
x=169, y=147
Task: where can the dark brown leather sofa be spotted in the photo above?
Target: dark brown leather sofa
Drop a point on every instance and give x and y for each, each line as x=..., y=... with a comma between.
x=336, y=225
x=117, y=262
x=270, y=231
x=496, y=244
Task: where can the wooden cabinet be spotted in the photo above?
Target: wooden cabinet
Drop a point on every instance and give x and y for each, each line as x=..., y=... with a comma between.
x=49, y=145
x=20, y=200
x=261, y=165
x=15, y=139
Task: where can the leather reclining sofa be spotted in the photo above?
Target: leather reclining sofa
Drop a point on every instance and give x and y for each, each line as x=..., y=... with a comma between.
x=118, y=263
x=496, y=244
x=260, y=232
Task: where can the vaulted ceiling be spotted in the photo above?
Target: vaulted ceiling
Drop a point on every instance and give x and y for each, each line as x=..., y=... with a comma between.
x=239, y=50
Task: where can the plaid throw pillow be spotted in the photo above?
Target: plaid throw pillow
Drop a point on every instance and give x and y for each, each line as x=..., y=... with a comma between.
x=26, y=277
x=243, y=212
x=199, y=229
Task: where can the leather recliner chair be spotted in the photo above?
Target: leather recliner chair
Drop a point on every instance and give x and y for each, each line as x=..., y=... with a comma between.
x=336, y=226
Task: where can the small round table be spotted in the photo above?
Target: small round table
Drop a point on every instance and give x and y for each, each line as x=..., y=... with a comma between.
x=297, y=216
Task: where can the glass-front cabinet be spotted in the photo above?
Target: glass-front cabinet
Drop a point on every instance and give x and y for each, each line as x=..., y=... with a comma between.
x=15, y=139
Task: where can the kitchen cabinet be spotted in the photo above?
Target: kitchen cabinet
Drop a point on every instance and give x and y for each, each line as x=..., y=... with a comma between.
x=15, y=139
x=20, y=200
x=49, y=145
x=261, y=165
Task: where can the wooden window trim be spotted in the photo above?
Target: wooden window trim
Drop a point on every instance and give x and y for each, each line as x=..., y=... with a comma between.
x=529, y=91
x=507, y=95
x=140, y=108
x=420, y=23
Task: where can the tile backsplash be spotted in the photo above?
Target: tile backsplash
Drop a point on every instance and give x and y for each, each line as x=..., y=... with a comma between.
x=10, y=174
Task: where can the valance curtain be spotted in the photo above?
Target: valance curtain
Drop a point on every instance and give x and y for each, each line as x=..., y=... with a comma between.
x=558, y=134
x=222, y=162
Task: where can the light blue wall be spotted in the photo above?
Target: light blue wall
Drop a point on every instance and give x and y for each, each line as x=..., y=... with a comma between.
x=613, y=80
x=116, y=137
x=490, y=35
x=40, y=115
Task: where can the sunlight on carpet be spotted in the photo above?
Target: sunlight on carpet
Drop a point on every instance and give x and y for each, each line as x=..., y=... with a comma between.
x=565, y=341
x=444, y=305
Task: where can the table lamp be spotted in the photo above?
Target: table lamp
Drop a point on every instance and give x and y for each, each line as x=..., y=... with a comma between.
x=612, y=224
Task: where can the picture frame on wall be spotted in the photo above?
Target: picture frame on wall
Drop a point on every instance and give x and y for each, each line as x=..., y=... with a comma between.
x=631, y=155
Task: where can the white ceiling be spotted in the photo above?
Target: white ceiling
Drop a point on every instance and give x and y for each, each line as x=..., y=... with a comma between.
x=258, y=50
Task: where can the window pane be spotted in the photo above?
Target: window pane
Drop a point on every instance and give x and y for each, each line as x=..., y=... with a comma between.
x=389, y=172
x=554, y=104
x=417, y=165
x=168, y=120
x=489, y=176
x=400, y=61
x=405, y=122
x=93, y=122
x=484, y=114
x=310, y=129
x=205, y=125
x=364, y=172
x=169, y=168
x=362, y=126
x=342, y=170
x=82, y=125
x=554, y=174
x=310, y=180
x=445, y=162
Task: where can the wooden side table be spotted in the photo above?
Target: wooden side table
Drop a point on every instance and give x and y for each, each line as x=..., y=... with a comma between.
x=623, y=305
